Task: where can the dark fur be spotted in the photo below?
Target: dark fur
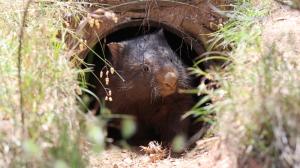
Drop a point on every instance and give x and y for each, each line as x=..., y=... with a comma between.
x=140, y=61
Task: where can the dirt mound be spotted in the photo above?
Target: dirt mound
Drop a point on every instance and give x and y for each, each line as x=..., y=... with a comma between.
x=282, y=29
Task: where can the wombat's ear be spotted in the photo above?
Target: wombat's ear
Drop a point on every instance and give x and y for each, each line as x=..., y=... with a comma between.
x=161, y=33
x=116, y=49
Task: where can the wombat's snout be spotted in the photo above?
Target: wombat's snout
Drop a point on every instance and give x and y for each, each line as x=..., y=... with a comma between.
x=168, y=81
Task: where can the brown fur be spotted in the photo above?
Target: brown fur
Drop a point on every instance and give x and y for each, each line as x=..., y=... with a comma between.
x=153, y=75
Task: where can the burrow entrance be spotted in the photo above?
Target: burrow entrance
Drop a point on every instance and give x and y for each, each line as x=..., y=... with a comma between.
x=180, y=43
x=185, y=24
x=183, y=45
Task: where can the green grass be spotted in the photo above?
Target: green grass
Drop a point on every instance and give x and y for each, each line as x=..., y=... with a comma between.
x=52, y=136
x=256, y=107
x=257, y=104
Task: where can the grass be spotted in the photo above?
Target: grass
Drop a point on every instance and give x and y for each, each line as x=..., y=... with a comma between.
x=257, y=104
x=51, y=135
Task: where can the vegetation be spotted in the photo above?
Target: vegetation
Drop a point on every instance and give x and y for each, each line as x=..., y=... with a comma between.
x=257, y=103
x=50, y=135
x=256, y=106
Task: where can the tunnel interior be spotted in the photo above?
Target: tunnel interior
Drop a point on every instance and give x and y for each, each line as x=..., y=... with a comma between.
x=177, y=42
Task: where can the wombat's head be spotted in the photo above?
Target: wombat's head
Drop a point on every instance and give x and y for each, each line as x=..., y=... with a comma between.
x=149, y=66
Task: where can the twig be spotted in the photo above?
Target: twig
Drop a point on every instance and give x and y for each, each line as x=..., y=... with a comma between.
x=196, y=136
x=20, y=63
x=293, y=5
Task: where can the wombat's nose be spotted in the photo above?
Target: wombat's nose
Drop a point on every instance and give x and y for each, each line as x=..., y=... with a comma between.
x=168, y=84
x=170, y=80
x=167, y=79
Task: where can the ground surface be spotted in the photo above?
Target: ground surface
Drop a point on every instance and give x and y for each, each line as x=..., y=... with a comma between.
x=208, y=153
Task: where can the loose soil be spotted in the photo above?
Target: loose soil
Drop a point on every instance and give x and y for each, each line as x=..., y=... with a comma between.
x=208, y=153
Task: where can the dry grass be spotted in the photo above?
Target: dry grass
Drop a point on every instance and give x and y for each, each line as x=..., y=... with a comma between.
x=259, y=99
x=51, y=135
x=257, y=105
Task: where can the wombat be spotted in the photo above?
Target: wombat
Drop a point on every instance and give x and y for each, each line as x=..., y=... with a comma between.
x=153, y=75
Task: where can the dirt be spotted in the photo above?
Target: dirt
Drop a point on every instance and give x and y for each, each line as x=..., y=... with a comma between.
x=282, y=29
x=208, y=153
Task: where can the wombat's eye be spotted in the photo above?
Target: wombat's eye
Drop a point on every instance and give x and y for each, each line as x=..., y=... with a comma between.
x=146, y=68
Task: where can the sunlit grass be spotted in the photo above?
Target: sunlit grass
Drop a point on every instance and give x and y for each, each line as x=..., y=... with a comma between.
x=257, y=103
x=52, y=132
x=256, y=107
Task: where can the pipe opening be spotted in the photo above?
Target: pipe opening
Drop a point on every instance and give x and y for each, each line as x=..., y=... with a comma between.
x=184, y=46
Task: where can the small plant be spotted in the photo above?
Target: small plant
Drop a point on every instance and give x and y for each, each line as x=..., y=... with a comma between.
x=50, y=135
x=258, y=107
